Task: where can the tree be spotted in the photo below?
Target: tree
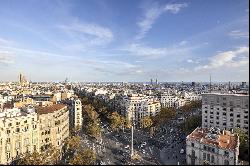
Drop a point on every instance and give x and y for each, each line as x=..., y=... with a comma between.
x=190, y=106
x=146, y=122
x=91, y=117
x=72, y=143
x=94, y=130
x=244, y=145
x=191, y=123
x=31, y=159
x=115, y=120
x=163, y=116
x=47, y=157
x=84, y=157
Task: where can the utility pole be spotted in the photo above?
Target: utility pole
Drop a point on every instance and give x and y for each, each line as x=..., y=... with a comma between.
x=132, y=136
x=210, y=84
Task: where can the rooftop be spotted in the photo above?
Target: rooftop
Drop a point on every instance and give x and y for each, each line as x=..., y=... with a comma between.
x=49, y=109
x=226, y=94
x=213, y=136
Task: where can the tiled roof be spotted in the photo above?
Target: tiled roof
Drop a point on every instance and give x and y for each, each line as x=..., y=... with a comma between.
x=225, y=140
x=49, y=109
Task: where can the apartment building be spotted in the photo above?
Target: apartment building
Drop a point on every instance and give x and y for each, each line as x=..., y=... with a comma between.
x=32, y=129
x=139, y=106
x=225, y=111
x=168, y=100
x=212, y=146
x=76, y=113
x=54, y=125
x=19, y=133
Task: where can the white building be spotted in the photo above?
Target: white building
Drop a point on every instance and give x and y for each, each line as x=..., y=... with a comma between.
x=168, y=100
x=76, y=113
x=225, y=111
x=210, y=146
x=139, y=106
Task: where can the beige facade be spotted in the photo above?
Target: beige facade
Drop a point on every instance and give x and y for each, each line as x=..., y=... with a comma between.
x=211, y=146
x=54, y=125
x=225, y=111
x=24, y=102
x=19, y=133
x=30, y=129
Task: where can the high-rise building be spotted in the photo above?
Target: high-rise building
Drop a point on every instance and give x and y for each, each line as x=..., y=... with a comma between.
x=225, y=111
x=22, y=80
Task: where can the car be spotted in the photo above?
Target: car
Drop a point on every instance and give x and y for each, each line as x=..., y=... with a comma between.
x=126, y=147
x=143, y=151
x=182, y=151
x=144, y=143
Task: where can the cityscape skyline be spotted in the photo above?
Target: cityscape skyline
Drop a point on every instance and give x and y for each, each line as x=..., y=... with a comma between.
x=125, y=41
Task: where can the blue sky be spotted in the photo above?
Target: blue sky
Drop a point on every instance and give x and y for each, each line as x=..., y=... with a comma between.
x=118, y=40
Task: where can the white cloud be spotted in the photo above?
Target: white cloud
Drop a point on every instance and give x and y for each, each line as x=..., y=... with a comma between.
x=239, y=34
x=182, y=43
x=174, y=8
x=193, y=61
x=6, y=57
x=4, y=41
x=153, y=13
x=141, y=50
x=228, y=59
x=87, y=34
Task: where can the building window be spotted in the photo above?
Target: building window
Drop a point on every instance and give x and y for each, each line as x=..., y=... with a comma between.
x=8, y=140
x=226, y=162
x=212, y=158
x=204, y=156
x=208, y=157
x=8, y=155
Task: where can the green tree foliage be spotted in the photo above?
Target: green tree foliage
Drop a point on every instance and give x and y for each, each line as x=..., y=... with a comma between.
x=190, y=106
x=146, y=122
x=83, y=157
x=244, y=144
x=47, y=157
x=85, y=101
x=163, y=116
x=94, y=130
x=31, y=159
x=115, y=120
x=191, y=123
x=91, y=117
x=72, y=143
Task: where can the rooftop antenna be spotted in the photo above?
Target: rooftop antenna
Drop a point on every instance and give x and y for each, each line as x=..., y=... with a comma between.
x=210, y=84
